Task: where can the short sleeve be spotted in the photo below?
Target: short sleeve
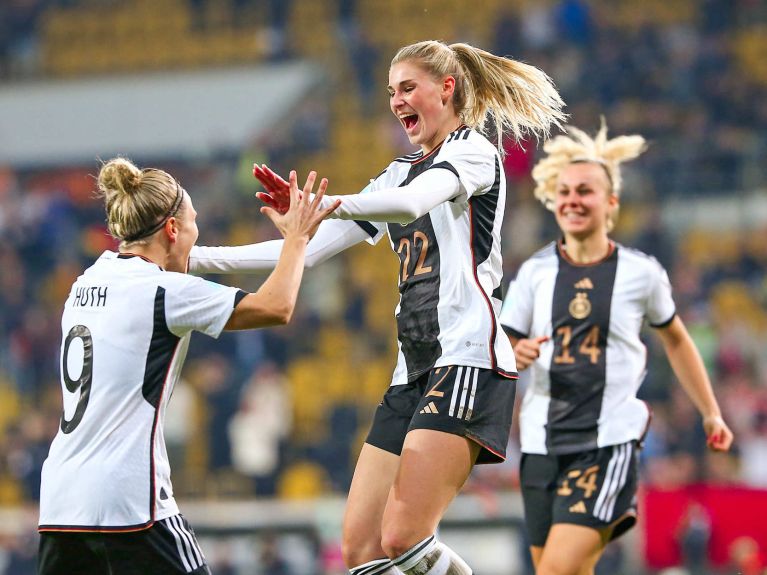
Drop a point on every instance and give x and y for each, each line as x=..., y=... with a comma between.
x=660, y=305
x=473, y=162
x=195, y=304
x=517, y=311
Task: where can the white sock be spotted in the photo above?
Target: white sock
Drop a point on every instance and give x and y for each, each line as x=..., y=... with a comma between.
x=376, y=567
x=431, y=557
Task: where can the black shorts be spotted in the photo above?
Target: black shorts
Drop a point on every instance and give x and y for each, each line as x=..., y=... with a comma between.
x=169, y=547
x=468, y=401
x=595, y=488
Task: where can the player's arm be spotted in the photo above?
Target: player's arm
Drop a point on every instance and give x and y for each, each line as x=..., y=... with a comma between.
x=526, y=350
x=275, y=300
x=691, y=372
x=332, y=237
x=401, y=205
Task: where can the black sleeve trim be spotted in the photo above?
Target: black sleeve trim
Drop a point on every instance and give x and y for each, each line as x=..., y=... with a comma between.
x=514, y=333
x=369, y=228
x=665, y=323
x=446, y=166
x=238, y=297
x=498, y=292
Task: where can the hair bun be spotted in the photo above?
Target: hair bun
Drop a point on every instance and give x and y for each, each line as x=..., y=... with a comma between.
x=119, y=175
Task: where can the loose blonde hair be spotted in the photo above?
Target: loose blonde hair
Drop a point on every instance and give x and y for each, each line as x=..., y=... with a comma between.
x=577, y=146
x=520, y=98
x=137, y=202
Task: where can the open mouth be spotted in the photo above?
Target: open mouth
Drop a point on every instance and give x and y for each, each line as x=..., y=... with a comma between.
x=410, y=121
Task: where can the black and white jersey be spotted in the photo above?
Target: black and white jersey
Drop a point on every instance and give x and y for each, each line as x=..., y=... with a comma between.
x=450, y=262
x=582, y=389
x=126, y=327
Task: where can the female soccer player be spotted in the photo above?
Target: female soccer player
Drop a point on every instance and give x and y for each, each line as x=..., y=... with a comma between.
x=450, y=401
x=107, y=502
x=574, y=314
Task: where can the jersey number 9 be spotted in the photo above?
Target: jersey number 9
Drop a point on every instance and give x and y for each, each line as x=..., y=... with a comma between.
x=86, y=375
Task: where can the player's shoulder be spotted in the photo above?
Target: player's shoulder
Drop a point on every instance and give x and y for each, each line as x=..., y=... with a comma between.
x=396, y=171
x=637, y=258
x=542, y=259
x=544, y=256
x=465, y=140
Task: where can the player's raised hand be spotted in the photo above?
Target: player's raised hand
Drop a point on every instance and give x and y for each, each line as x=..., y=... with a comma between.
x=277, y=194
x=718, y=435
x=304, y=212
x=526, y=351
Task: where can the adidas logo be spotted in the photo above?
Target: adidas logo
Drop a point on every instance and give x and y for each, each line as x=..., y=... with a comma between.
x=585, y=283
x=430, y=408
x=579, y=507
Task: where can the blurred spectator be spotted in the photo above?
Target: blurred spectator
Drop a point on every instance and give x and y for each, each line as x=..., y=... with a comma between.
x=262, y=422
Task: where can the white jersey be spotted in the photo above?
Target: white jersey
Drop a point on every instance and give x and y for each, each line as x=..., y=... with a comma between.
x=582, y=390
x=450, y=262
x=126, y=327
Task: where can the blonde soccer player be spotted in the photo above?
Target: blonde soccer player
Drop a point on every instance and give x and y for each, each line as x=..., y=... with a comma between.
x=574, y=313
x=106, y=503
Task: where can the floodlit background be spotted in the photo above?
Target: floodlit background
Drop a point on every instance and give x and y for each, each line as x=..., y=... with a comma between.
x=264, y=428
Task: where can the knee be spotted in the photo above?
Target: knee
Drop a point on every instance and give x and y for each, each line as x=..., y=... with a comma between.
x=395, y=542
x=358, y=550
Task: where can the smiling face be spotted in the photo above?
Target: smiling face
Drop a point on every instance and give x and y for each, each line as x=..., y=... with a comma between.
x=584, y=200
x=422, y=104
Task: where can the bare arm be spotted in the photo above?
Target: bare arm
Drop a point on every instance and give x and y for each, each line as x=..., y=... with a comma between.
x=275, y=300
x=526, y=351
x=691, y=372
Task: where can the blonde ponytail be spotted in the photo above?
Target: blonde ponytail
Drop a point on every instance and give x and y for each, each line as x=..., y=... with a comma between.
x=519, y=98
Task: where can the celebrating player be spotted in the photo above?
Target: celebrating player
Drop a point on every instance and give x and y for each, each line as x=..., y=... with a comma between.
x=574, y=314
x=107, y=502
x=449, y=405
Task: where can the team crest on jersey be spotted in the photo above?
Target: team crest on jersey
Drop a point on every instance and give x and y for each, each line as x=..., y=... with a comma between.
x=580, y=306
x=585, y=283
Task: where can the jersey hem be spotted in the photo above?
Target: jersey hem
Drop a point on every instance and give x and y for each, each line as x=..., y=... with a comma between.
x=95, y=528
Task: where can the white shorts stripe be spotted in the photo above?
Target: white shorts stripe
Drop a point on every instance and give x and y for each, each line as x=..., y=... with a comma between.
x=187, y=541
x=193, y=540
x=179, y=545
x=607, y=485
x=472, y=393
x=456, y=383
x=622, y=479
x=464, y=391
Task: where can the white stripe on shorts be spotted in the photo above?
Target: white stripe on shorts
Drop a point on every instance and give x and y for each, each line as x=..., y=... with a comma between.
x=615, y=479
x=188, y=550
x=456, y=384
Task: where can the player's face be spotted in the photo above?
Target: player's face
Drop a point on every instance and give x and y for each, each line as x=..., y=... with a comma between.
x=186, y=238
x=422, y=104
x=584, y=200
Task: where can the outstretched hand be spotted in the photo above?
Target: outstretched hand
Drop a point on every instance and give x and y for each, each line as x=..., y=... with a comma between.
x=302, y=217
x=277, y=194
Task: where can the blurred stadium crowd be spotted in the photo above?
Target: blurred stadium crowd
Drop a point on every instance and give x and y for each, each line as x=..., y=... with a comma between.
x=283, y=412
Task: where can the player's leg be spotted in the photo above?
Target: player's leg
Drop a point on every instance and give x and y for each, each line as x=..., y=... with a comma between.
x=595, y=502
x=372, y=481
x=572, y=550
x=63, y=553
x=538, y=480
x=373, y=477
x=433, y=467
x=463, y=418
